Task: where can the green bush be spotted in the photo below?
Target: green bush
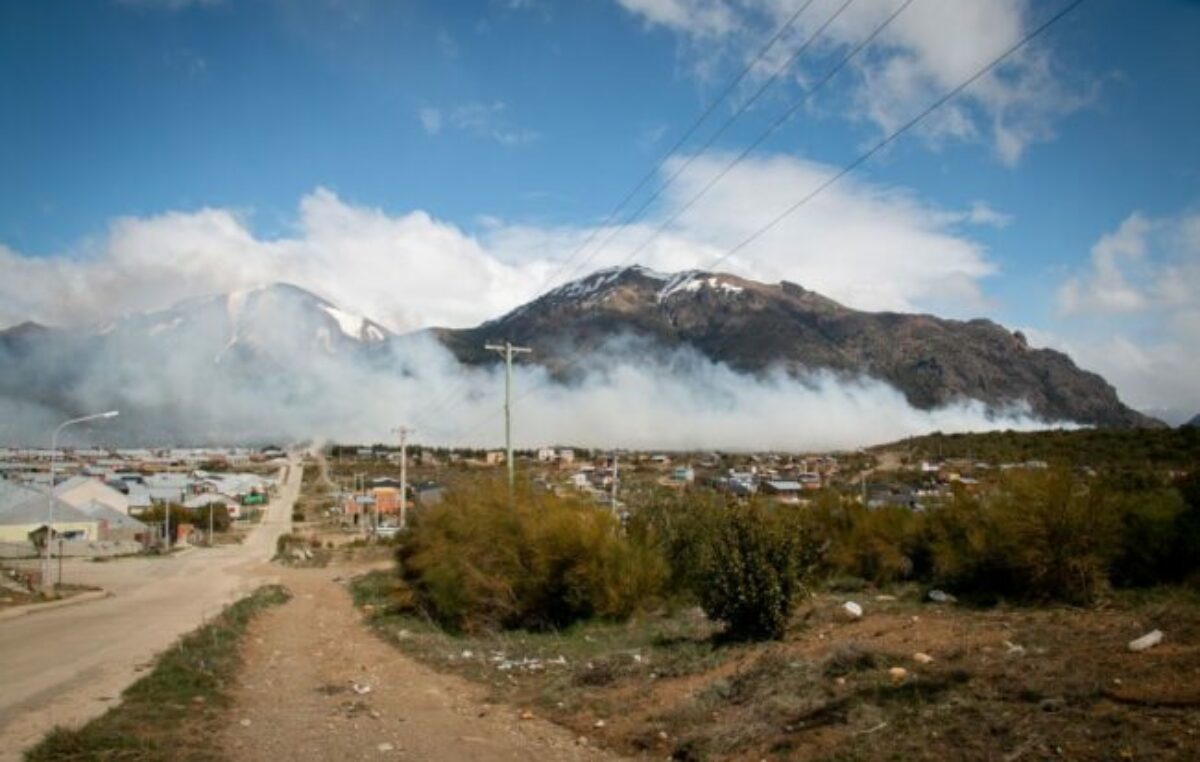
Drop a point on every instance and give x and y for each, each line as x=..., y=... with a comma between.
x=753, y=562
x=477, y=561
x=1039, y=535
x=882, y=546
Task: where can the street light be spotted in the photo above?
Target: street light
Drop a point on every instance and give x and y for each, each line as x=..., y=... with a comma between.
x=50, y=494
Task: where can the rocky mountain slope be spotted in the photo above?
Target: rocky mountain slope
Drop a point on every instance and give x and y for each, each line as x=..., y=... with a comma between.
x=754, y=327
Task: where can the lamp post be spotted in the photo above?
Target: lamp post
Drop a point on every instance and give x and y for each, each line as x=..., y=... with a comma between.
x=46, y=587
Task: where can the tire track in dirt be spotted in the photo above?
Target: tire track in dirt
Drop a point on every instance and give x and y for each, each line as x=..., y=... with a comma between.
x=318, y=685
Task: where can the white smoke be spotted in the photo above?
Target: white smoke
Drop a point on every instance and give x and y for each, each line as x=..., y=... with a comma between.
x=624, y=395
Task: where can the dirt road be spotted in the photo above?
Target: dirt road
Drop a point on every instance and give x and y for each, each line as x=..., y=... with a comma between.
x=65, y=666
x=318, y=685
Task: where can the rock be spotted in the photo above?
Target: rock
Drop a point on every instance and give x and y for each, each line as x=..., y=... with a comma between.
x=467, y=654
x=941, y=596
x=922, y=658
x=361, y=689
x=852, y=610
x=581, y=741
x=885, y=598
x=599, y=724
x=662, y=735
x=385, y=747
x=1052, y=704
x=245, y=723
x=526, y=715
x=898, y=674
x=1014, y=649
x=1147, y=641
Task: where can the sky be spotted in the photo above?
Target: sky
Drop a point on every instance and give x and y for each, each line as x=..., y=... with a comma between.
x=438, y=163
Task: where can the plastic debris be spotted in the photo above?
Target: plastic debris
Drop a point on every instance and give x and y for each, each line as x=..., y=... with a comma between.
x=941, y=596
x=852, y=609
x=1147, y=641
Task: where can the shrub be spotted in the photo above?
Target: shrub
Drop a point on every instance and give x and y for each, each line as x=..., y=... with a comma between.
x=477, y=562
x=1039, y=535
x=881, y=545
x=752, y=564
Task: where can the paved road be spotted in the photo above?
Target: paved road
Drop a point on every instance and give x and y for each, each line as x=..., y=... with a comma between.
x=66, y=666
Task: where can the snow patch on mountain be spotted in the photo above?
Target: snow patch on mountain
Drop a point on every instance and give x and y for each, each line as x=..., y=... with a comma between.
x=351, y=325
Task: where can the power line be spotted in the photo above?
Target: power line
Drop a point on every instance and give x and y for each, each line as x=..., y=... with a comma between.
x=691, y=130
x=857, y=162
x=730, y=87
x=781, y=120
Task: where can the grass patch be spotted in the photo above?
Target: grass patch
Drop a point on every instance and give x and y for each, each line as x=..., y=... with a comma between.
x=172, y=712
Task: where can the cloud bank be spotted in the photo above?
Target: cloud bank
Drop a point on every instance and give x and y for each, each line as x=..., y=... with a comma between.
x=868, y=245
x=1136, y=302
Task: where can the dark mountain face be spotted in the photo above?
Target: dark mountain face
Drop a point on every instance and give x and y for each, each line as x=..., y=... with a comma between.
x=1194, y=422
x=755, y=327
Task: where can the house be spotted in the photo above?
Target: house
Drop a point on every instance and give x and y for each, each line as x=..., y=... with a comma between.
x=168, y=487
x=387, y=500
x=566, y=456
x=228, y=503
x=23, y=514
x=494, y=458
x=81, y=490
x=783, y=488
x=683, y=475
x=115, y=525
x=546, y=455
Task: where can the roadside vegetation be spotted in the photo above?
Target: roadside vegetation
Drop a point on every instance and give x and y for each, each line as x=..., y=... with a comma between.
x=711, y=628
x=173, y=711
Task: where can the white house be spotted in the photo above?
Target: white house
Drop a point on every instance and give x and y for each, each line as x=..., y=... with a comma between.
x=81, y=490
x=23, y=512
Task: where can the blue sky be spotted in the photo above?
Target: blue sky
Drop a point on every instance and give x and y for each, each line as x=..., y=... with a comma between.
x=176, y=139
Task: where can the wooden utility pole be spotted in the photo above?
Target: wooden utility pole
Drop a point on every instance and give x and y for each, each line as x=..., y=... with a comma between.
x=507, y=350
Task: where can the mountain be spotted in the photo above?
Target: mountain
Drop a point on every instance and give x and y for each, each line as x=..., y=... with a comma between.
x=1194, y=423
x=228, y=366
x=755, y=327
x=280, y=362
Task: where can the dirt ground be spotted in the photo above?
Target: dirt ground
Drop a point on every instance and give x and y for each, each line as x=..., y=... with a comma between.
x=318, y=685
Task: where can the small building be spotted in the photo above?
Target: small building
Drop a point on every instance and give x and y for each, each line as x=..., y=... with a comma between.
x=114, y=525
x=683, y=475
x=81, y=490
x=23, y=516
x=494, y=458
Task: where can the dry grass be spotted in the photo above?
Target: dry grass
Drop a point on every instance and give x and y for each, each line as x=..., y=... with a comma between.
x=1067, y=687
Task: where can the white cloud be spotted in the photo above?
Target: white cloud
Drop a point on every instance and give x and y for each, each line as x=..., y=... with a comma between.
x=932, y=46
x=867, y=245
x=1133, y=314
x=431, y=120
x=482, y=120
x=1106, y=288
x=491, y=120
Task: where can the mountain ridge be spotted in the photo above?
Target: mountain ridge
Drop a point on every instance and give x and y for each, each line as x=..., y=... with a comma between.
x=754, y=327
x=302, y=344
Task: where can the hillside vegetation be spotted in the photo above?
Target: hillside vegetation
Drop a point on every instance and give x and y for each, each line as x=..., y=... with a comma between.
x=1095, y=448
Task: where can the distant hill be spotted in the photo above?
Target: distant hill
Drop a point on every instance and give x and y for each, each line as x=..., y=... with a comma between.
x=1194, y=422
x=753, y=327
x=1160, y=448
